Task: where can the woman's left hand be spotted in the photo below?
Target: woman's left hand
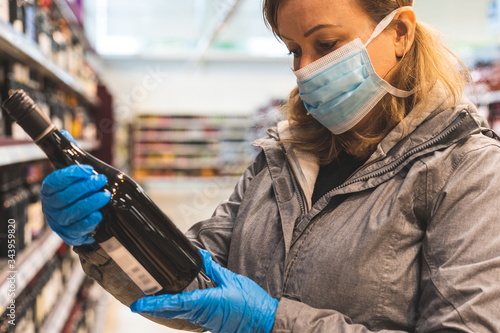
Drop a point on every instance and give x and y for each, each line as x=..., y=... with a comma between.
x=237, y=304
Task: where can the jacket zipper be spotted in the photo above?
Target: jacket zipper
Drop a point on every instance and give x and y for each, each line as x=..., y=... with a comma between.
x=301, y=197
x=392, y=166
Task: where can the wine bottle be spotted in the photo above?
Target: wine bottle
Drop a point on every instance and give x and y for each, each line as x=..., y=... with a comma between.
x=43, y=27
x=135, y=233
x=17, y=16
x=8, y=210
x=30, y=12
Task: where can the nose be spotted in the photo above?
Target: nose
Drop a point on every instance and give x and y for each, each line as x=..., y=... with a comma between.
x=305, y=60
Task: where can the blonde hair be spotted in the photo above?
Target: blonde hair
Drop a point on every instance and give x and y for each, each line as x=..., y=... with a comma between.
x=427, y=62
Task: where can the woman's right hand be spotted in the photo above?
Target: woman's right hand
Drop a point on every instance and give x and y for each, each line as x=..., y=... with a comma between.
x=71, y=199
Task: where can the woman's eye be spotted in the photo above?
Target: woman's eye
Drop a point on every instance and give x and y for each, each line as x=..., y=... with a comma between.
x=327, y=46
x=295, y=53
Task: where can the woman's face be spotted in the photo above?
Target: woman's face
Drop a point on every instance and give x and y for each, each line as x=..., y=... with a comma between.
x=313, y=28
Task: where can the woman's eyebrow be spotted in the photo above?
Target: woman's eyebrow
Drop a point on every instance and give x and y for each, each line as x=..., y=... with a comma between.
x=320, y=26
x=313, y=30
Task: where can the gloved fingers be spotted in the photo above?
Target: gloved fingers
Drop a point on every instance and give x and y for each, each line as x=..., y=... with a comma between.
x=84, y=228
x=85, y=240
x=68, y=136
x=171, y=306
x=87, y=225
x=82, y=208
x=214, y=271
x=79, y=232
x=163, y=314
x=76, y=191
x=62, y=178
x=77, y=241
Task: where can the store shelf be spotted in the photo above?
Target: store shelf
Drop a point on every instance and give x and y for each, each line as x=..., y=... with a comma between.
x=73, y=23
x=195, y=144
x=13, y=152
x=186, y=148
x=27, y=264
x=23, y=49
x=61, y=312
x=192, y=136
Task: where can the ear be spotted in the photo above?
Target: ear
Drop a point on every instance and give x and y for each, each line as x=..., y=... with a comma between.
x=406, y=22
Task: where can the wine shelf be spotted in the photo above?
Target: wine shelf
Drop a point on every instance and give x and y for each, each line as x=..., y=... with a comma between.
x=27, y=264
x=192, y=145
x=21, y=48
x=61, y=312
x=60, y=75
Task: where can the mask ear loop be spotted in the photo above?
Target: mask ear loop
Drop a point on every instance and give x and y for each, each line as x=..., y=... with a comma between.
x=382, y=26
x=386, y=21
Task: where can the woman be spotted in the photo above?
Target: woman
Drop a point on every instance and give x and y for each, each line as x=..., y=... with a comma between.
x=371, y=209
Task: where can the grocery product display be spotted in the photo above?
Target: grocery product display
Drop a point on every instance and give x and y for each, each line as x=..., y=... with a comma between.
x=192, y=145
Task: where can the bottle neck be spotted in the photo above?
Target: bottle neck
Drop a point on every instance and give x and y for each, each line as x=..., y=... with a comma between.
x=60, y=151
x=25, y=112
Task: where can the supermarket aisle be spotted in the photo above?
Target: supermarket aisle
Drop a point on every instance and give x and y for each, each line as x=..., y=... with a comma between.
x=185, y=202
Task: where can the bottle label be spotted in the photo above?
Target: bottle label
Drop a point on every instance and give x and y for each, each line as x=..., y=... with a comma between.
x=131, y=266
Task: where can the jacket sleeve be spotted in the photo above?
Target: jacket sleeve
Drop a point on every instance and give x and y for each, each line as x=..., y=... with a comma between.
x=460, y=277
x=461, y=250
x=213, y=234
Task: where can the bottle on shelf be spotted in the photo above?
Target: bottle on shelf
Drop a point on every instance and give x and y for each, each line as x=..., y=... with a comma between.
x=17, y=75
x=22, y=201
x=49, y=286
x=33, y=183
x=140, y=238
x=30, y=14
x=26, y=321
x=18, y=16
x=44, y=27
x=13, y=207
x=81, y=316
x=22, y=317
x=7, y=214
x=66, y=258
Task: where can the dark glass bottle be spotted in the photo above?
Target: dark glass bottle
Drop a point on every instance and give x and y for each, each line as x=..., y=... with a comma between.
x=18, y=16
x=139, y=237
x=8, y=210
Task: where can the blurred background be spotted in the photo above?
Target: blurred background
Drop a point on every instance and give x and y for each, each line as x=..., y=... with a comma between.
x=173, y=93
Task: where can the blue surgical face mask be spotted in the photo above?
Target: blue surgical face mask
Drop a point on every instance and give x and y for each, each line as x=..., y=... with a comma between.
x=340, y=88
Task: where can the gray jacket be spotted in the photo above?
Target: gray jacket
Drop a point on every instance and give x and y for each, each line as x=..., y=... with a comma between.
x=409, y=243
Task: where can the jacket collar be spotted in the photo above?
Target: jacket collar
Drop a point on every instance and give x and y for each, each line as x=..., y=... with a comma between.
x=437, y=113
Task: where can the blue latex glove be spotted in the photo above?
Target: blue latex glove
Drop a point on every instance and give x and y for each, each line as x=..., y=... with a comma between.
x=237, y=305
x=71, y=199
